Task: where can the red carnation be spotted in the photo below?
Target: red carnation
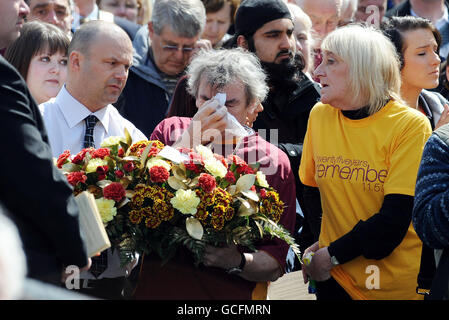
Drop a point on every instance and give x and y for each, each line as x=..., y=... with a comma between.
x=101, y=153
x=207, y=182
x=76, y=177
x=128, y=166
x=229, y=177
x=80, y=156
x=114, y=191
x=119, y=174
x=192, y=167
x=263, y=193
x=236, y=160
x=102, y=170
x=63, y=158
x=245, y=169
x=159, y=174
x=195, y=157
x=121, y=152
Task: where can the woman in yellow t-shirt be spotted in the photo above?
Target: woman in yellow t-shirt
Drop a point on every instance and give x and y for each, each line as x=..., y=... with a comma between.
x=361, y=152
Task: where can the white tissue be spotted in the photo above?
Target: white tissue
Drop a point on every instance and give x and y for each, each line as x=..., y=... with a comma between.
x=234, y=127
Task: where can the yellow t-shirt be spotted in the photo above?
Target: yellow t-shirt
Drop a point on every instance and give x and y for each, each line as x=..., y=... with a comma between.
x=355, y=163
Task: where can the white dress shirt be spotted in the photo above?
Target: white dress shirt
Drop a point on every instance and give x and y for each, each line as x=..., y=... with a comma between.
x=64, y=120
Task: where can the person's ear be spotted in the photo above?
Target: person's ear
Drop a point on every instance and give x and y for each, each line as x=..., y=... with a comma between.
x=150, y=29
x=242, y=42
x=75, y=60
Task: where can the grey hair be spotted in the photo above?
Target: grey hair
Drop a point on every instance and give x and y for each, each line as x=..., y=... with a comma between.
x=187, y=18
x=222, y=67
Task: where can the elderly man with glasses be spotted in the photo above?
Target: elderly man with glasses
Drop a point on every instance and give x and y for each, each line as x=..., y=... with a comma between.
x=163, y=49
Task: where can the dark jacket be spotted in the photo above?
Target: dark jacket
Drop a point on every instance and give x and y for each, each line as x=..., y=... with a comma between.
x=33, y=190
x=289, y=113
x=144, y=100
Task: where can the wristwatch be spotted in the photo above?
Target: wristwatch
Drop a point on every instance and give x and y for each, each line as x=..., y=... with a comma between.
x=237, y=270
x=334, y=261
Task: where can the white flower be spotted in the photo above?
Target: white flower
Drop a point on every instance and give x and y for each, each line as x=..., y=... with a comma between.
x=107, y=209
x=156, y=161
x=111, y=141
x=215, y=167
x=185, y=201
x=261, y=179
x=94, y=164
x=205, y=152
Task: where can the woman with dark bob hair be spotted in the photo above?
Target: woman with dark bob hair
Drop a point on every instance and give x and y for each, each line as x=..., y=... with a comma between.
x=417, y=43
x=40, y=55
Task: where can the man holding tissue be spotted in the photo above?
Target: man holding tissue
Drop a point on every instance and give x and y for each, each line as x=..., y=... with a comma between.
x=265, y=27
x=227, y=272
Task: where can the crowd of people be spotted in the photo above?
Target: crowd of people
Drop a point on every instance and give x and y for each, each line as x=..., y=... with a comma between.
x=342, y=102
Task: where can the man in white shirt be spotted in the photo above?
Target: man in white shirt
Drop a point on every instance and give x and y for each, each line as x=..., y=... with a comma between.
x=81, y=115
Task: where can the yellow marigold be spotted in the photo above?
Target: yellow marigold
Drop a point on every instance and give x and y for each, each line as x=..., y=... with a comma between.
x=94, y=164
x=152, y=221
x=218, y=223
x=135, y=216
x=261, y=179
x=185, y=201
x=111, y=141
x=215, y=167
x=106, y=208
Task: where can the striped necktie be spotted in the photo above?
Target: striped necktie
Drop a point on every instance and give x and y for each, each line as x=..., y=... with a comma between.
x=90, y=121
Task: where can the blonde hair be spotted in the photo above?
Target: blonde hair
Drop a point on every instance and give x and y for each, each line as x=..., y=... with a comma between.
x=373, y=63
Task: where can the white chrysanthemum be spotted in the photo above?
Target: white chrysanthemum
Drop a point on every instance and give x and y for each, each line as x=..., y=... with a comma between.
x=185, y=201
x=94, y=164
x=215, y=167
x=261, y=179
x=107, y=209
x=156, y=161
x=205, y=152
x=111, y=141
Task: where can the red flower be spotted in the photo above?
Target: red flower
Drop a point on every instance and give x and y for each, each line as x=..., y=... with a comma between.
x=229, y=177
x=119, y=174
x=196, y=158
x=63, y=158
x=192, y=167
x=76, y=177
x=128, y=166
x=114, y=191
x=263, y=193
x=207, y=182
x=121, y=152
x=101, y=153
x=102, y=170
x=159, y=174
x=236, y=160
x=80, y=156
x=253, y=188
x=245, y=169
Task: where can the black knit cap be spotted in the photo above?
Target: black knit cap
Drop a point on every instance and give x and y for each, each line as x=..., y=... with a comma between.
x=253, y=14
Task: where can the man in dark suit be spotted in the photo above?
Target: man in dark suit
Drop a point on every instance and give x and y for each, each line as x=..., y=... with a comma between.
x=32, y=189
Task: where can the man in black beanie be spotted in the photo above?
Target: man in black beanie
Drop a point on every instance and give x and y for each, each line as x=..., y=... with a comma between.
x=265, y=27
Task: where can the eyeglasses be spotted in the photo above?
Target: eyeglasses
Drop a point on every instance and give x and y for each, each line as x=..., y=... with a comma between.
x=173, y=49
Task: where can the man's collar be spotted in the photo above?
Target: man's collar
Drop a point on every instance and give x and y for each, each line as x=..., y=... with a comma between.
x=75, y=112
